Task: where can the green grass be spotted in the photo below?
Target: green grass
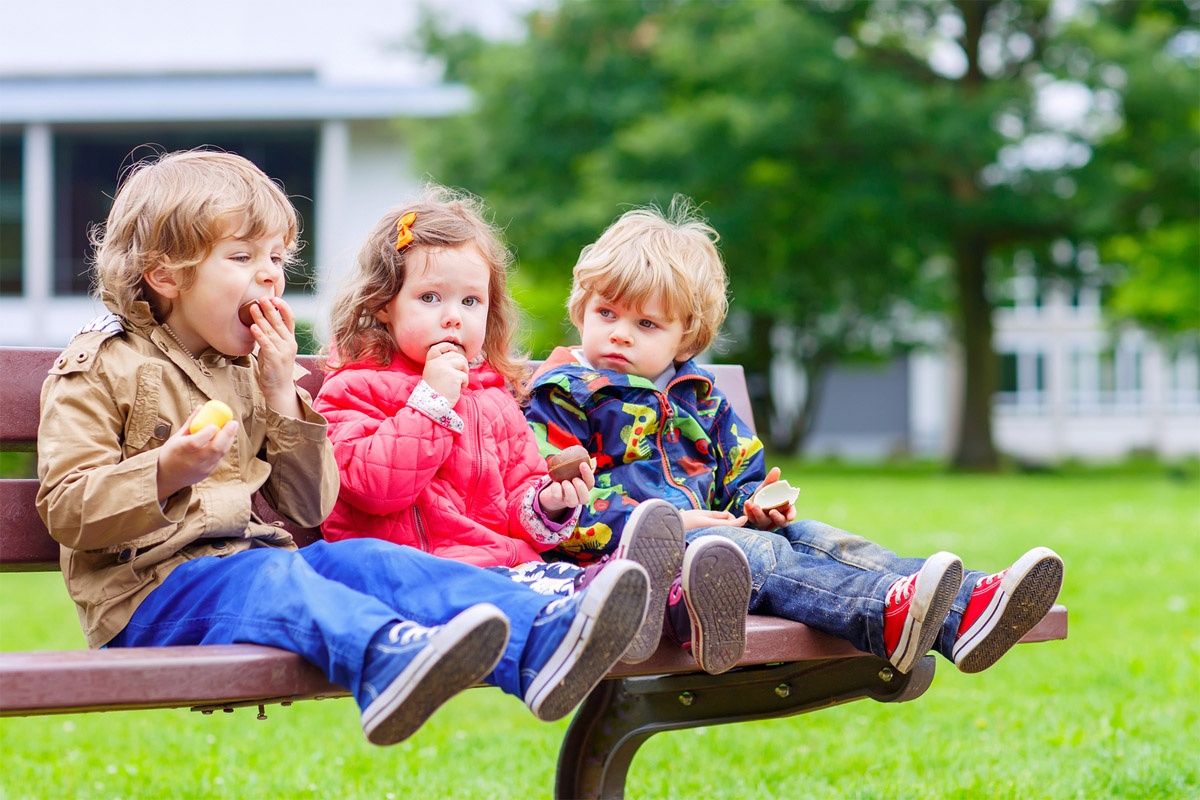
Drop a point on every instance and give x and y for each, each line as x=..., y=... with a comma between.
x=1111, y=712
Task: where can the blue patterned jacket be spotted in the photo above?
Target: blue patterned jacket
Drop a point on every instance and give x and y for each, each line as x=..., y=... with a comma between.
x=686, y=446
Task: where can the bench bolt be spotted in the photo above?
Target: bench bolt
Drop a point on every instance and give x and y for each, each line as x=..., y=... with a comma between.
x=262, y=714
x=687, y=698
x=783, y=690
x=886, y=674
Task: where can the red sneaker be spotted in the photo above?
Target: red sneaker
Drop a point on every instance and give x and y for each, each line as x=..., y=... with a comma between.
x=917, y=606
x=1005, y=606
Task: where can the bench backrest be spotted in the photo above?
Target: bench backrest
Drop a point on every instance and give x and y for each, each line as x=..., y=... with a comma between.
x=24, y=543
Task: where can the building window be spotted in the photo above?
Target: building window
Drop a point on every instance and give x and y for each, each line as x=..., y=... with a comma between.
x=87, y=166
x=1022, y=382
x=1183, y=379
x=1107, y=380
x=11, y=213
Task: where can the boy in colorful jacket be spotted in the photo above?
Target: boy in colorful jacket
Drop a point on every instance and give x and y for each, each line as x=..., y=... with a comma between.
x=647, y=297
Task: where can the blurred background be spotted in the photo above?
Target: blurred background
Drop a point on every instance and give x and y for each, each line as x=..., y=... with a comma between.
x=958, y=231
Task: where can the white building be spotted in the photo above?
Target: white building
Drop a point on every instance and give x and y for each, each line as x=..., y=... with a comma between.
x=1071, y=387
x=64, y=140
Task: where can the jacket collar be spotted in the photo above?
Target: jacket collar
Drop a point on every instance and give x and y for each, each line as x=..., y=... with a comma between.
x=563, y=369
x=140, y=317
x=479, y=377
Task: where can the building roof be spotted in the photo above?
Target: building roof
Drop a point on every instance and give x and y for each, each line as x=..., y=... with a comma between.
x=291, y=96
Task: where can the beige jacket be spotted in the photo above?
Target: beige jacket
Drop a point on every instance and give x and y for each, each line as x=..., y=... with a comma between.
x=112, y=398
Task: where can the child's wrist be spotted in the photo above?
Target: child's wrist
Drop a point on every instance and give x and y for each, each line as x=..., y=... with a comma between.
x=285, y=403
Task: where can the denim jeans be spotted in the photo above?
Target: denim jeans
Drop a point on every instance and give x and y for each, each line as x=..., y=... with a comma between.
x=830, y=580
x=325, y=602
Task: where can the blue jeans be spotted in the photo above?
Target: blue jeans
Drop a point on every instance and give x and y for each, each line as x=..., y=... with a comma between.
x=830, y=580
x=325, y=602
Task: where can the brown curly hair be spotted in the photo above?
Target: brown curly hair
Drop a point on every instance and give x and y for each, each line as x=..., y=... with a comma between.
x=445, y=219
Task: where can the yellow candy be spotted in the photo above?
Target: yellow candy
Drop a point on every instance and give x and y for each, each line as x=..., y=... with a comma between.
x=214, y=412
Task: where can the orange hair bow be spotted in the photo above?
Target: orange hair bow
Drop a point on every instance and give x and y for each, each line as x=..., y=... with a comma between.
x=404, y=234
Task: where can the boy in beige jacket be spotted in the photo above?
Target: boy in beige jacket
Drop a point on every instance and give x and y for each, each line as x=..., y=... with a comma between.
x=160, y=543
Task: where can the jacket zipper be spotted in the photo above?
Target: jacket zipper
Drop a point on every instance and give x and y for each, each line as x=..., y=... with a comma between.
x=669, y=416
x=478, y=449
x=421, y=535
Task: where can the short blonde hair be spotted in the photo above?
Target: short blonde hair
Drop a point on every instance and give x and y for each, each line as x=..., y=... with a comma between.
x=647, y=255
x=170, y=210
x=445, y=219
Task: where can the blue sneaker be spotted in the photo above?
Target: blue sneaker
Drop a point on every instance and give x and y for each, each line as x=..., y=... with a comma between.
x=415, y=669
x=576, y=640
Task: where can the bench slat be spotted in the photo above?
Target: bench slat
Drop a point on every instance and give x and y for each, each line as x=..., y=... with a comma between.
x=25, y=544
x=65, y=681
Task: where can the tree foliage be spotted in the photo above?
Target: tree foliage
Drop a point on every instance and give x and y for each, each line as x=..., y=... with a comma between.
x=854, y=177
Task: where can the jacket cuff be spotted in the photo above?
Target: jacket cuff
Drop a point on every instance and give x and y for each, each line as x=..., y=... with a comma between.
x=289, y=431
x=541, y=527
x=435, y=406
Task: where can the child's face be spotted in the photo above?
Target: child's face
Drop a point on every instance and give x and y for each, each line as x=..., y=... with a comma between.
x=236, y=271
x=444, y=299
x=640, y=341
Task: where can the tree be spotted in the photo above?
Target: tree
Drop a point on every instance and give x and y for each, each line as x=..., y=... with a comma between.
x=856, y=170
x=605, y=105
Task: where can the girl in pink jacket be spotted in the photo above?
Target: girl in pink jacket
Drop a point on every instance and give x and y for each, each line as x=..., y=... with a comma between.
x=431, y=444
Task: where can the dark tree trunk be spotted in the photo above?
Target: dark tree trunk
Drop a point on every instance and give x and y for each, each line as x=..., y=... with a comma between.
x=816, y=370
x=974, y=449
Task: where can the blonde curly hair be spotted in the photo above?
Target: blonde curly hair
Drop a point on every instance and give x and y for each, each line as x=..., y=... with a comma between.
x=650, y=255
x=171, y=209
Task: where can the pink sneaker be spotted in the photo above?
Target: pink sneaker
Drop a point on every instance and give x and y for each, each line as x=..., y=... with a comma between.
x=917, y=606
x=1005, y=606
x=653, y=537
x=715, y=588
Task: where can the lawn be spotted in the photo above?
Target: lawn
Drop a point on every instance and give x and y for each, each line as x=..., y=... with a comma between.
x=1111, y=712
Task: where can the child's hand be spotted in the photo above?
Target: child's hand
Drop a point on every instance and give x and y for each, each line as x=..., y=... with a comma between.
x=561, y=496
x=446, y=370
x=776, y=518
x=188, y=458
x=703, y=518
x=274, y=330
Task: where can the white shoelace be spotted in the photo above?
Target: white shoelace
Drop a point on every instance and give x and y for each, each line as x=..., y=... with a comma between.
x=407, y=632
x=556, y=605
x=901, y=590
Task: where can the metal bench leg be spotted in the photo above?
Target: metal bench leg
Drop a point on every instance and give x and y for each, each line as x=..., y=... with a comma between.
x=619, y=715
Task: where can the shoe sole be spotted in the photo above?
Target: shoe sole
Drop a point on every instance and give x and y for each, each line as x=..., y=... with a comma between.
x=716, y=588
x=457, y=657
x=1025, y=596
x=610, y=613
x=656, y=544
x=937, y=585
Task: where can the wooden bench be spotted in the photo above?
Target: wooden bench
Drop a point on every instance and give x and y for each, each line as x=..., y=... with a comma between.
x=788, y=668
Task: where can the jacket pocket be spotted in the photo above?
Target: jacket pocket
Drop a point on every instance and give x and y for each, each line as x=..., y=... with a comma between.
x=95, y=577
x=145, y=428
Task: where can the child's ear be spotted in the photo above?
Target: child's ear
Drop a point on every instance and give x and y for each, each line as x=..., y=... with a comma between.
x=685, y=355
x=383, y=316
x=163, y=281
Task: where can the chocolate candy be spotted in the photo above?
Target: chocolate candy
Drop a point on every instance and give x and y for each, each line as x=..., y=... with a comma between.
x=244, y=313
x=565, y=465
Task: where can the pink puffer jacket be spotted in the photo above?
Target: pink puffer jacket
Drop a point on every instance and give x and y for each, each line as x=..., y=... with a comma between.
x=461, y=486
